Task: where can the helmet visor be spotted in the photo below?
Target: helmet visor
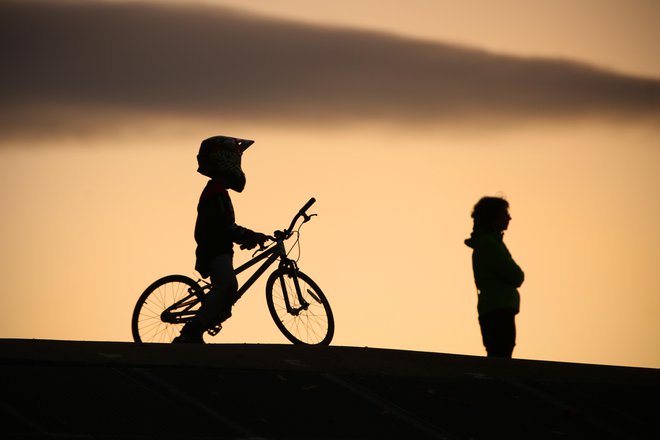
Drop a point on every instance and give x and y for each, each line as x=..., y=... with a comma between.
x=243, y=144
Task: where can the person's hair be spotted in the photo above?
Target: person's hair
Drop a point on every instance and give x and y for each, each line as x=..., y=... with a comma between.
x=486, y=210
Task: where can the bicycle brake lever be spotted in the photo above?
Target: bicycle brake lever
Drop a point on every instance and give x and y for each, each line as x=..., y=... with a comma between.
x=262, y=247
x=308, y=217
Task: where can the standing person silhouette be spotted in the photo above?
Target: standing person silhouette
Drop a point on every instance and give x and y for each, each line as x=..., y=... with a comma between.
x=216, y=230
x=496, y=276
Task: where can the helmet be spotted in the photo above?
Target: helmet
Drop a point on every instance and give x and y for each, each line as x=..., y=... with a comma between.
x=220, y=158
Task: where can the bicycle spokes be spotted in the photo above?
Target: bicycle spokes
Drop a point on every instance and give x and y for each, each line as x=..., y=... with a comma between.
x=164, y=307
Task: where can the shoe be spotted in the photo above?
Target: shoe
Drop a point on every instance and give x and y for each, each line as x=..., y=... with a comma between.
x=185, y=338
x=224, y=315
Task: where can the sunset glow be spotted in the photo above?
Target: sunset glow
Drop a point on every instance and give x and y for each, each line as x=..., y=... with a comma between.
x=99, y=189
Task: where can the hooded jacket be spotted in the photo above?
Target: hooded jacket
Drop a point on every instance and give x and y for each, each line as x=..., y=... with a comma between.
x=496, y=275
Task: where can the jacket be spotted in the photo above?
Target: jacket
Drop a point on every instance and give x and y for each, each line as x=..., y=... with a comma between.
x=496, y=275
x=216, y=229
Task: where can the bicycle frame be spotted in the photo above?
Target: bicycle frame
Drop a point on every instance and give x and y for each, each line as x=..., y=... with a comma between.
x=270, y=255
x=278, y=251
x=181, y=311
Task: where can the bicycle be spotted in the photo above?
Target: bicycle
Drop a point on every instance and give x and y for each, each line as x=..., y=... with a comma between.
x=295, y=302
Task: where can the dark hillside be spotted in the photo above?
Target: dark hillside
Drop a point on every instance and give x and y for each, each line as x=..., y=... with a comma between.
x=62, y=389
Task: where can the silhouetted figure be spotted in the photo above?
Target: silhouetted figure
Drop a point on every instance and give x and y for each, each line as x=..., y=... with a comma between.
x=496, y=276
x=216, y=230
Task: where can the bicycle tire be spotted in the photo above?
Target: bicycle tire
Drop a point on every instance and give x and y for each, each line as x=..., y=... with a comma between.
x=314, y=325
x=146, y=324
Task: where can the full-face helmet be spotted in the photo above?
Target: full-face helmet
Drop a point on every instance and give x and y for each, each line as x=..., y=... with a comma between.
x=220, y=158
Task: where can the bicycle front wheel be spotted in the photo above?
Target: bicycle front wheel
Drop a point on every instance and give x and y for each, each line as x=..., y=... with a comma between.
x=299, y=308
x=147, y=323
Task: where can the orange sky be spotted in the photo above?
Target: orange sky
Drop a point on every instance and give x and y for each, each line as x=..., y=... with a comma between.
x=104, y=205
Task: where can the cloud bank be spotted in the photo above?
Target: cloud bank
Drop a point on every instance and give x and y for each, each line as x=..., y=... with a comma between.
x=65, y=63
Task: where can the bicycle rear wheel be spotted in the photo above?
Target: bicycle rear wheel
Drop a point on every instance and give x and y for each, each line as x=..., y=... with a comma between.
x=147, y=323
x=303, y=316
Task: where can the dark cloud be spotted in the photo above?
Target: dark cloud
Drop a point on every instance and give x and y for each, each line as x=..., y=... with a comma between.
x=68, y=63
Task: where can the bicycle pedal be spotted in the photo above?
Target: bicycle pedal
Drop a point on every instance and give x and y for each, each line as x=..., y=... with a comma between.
x=214, y=330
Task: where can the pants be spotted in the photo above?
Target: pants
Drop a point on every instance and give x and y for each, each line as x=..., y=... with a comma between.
x=218, y=303
x=498, y=330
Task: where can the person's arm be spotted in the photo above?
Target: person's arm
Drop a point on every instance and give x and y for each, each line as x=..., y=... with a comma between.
x=247, y=238
x=499, y=258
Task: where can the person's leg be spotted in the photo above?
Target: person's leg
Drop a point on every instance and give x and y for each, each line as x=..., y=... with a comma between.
x=217, y=304
x=223, y=296
x=498, y=330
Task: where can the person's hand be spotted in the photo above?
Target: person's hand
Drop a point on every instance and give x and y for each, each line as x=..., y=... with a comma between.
x=260, y=239
x=253, y=240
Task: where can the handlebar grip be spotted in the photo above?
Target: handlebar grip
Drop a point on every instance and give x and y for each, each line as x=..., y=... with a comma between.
x=307, y=205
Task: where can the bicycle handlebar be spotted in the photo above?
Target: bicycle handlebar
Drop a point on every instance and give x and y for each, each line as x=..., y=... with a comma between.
x=302, y=213
x=285, y=234
x=307, y=206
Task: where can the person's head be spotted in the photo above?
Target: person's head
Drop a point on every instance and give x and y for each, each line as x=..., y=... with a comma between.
x=220, y=158
x=491, y=214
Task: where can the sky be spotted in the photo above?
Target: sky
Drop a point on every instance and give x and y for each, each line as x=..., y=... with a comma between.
x=397, y=116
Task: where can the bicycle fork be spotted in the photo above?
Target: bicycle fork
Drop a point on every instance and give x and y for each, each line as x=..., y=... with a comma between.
x=290, y=269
